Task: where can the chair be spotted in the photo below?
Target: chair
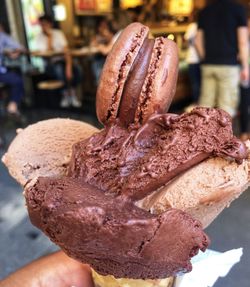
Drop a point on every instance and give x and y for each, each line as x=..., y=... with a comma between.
x=49, y=93
x=50, y=85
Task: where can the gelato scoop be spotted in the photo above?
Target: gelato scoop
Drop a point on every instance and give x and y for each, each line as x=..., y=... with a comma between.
x=202, y=191
x=44, y=148
x=91, y=213
x=134, y=162
x=111, y=233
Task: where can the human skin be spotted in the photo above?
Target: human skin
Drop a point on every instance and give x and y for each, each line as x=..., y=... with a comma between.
x=56, y=269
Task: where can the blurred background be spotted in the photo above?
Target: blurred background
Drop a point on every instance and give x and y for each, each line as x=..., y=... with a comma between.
x=51, y=57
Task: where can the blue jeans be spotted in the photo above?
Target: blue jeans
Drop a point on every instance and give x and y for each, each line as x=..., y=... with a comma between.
x=15, y=82
x=97, y=65
x=195, y=80
x=57, y=71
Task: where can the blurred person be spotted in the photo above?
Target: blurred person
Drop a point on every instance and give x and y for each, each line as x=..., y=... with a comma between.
x=222, y=36
x=150, y=11
x=120, y=20
x=59, y=67
x=111, y=30
x=11, y=48
x=57, y=270
x=245, y=103
x=134, y=13
x=104, y=32
x=102, y=41
x=192, y=57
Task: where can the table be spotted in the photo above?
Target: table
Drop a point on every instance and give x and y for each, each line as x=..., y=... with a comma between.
x=82, y=52
x=83, y=55
x=46, y=54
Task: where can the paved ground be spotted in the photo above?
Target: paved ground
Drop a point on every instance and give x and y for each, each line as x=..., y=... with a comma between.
x=20, y=242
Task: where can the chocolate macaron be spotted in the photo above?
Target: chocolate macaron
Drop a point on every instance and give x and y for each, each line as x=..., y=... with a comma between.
x=139, y=77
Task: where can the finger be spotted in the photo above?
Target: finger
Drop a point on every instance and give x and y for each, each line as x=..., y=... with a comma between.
x=55, y=270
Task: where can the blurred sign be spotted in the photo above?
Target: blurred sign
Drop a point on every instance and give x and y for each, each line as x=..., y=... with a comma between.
x=83, y=5
x=60, y=12
x=104, y=5
x=93, y=6
x=32, y=10
x=179, y=7
x=125, y=4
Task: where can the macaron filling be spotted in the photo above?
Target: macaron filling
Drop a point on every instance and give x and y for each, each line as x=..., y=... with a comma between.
x=134, y=83
x=138, y=87
x=137, y=42
x=147, y=88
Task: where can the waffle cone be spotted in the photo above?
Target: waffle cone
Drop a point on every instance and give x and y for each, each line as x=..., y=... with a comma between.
x=111, y=281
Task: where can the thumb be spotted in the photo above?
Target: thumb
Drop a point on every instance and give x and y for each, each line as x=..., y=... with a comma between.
x=57, y=270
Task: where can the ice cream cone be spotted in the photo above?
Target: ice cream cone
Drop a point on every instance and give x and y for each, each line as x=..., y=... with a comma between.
x=111, y=281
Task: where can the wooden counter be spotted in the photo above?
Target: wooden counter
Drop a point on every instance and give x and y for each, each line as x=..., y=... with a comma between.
x=168, y=29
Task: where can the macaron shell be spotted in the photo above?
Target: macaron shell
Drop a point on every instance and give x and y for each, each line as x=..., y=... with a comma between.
x=116, y=69
x=160, y=84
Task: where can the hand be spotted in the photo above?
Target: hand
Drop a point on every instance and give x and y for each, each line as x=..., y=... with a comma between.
x=13, y=54
x=47, y=31
x=55, y=270
x=244, y=74
x=107, y=34
x=93, y=42
x=103, y=49
x=100, y=47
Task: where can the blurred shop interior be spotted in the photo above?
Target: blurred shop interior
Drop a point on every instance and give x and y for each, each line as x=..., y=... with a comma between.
x=83, y=23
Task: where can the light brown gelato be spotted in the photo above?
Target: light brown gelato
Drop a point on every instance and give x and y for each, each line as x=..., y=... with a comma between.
x=44, y=148
x=202, y=191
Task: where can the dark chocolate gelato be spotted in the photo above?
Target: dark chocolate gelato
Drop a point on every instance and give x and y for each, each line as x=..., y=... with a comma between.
x=91, y=213
x=112, y=234
x=134, y=162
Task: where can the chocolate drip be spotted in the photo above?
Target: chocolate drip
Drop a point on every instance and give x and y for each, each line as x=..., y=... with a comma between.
x=235, y=149
x=152, y=127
